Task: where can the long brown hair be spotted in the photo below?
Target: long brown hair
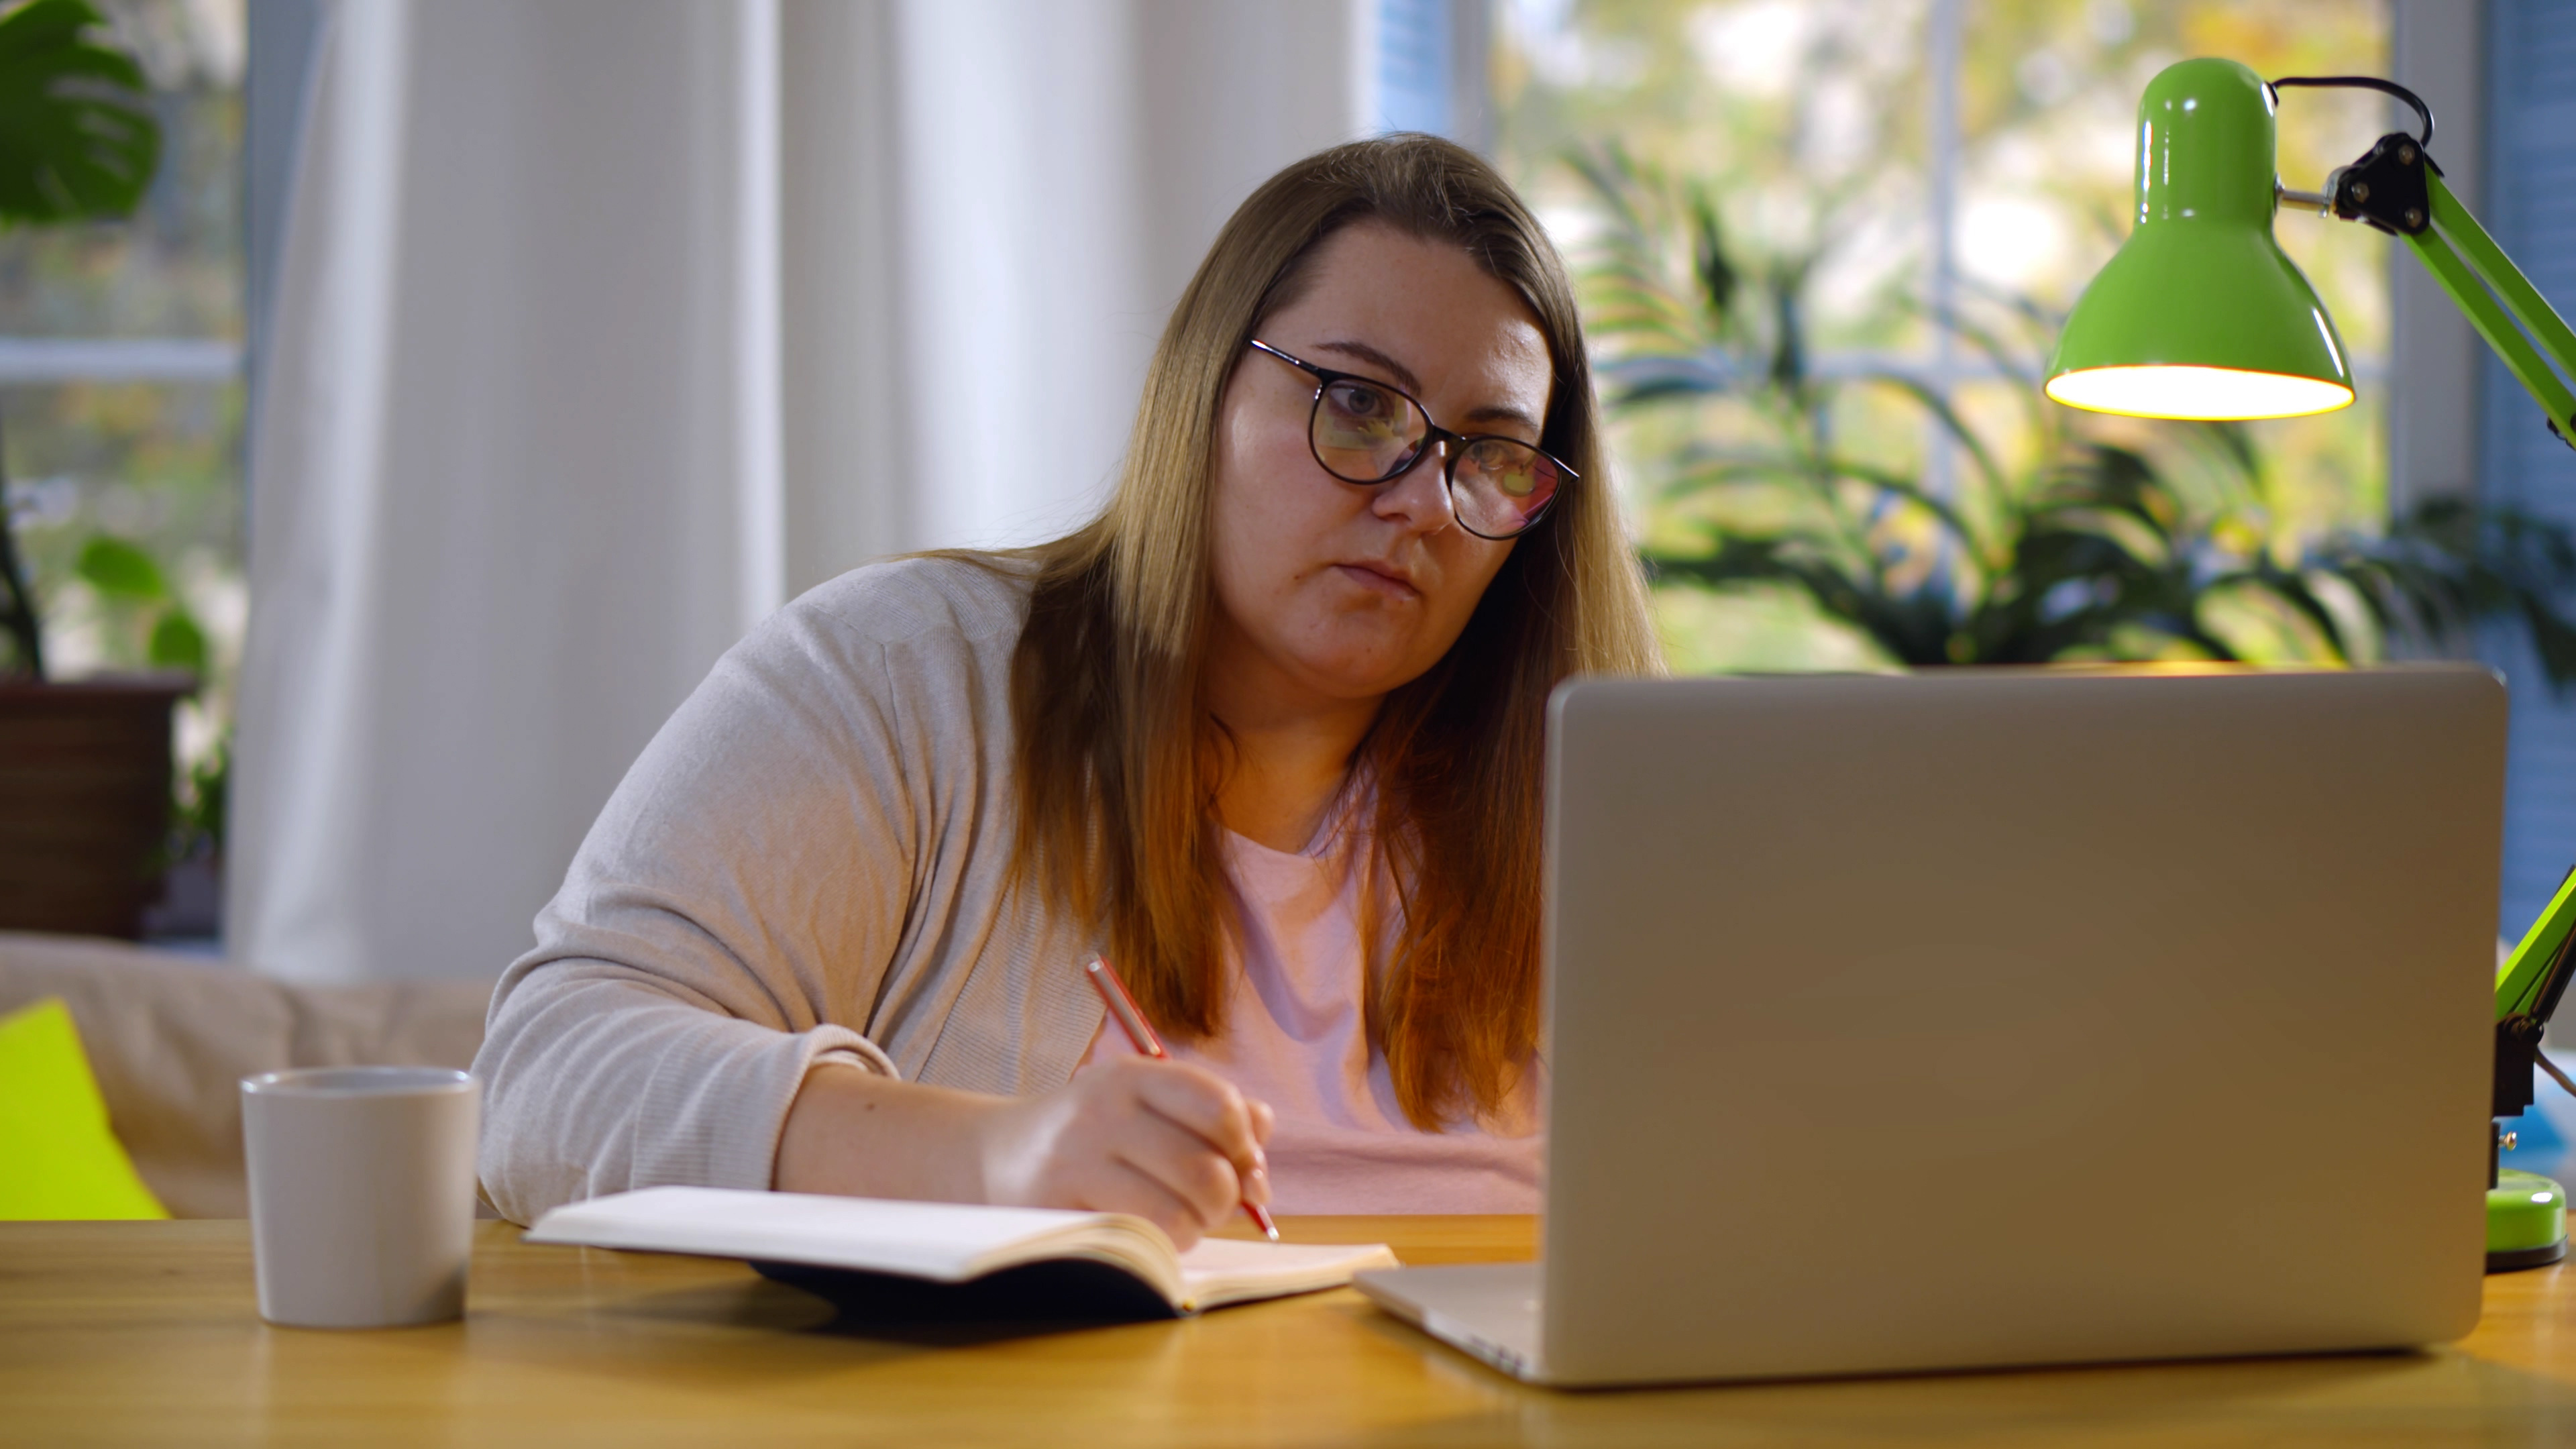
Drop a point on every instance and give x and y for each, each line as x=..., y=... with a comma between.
x=1119, y=760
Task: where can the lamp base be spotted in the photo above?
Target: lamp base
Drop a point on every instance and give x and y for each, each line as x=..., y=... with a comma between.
x=2526, y=1221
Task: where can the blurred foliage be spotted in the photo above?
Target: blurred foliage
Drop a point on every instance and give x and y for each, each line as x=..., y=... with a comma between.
x=101, y=467
x=155, y=463
x=120, y=570
x=78, y=140
x=77, y=143
x=1810, y=124
x=1813, y=119
x=2108, y=541
x=173, y=267
x=128, y=577
x=198, y=797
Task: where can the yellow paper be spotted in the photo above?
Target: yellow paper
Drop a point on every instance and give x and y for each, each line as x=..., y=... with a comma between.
x=58, y=1158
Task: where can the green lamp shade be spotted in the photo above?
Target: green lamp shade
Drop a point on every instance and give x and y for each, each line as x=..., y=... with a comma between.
x=2200, y=315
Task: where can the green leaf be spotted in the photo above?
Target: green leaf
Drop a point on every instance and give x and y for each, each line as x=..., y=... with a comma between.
x=2260, y=623
x=78, y=140
x=1717, y=274
x=120, y=570
x=2349, y=619
x=1939, y=406
x=2127, y=531
x=177, y=643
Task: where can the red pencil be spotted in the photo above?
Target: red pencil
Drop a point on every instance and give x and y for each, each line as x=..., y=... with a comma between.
x=1140, y=1035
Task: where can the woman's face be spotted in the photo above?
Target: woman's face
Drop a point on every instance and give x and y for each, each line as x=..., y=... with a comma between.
x=1334, y=591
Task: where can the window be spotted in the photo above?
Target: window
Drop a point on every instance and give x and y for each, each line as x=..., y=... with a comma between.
x=1924, y=156
x=121, y=395
x=2532, y=157
x=1415, y=65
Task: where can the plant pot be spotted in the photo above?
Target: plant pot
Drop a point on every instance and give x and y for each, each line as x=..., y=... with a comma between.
x=84, y=801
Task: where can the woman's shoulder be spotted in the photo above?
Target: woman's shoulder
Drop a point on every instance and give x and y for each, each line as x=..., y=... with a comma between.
x=936, y=629
x=917, y=650
x=969, y=597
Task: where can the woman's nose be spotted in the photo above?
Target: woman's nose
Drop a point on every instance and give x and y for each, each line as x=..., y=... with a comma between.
x=1420, y=498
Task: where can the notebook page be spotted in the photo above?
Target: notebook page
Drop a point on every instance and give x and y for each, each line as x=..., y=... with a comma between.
x=940, y=1241
x=1231, y=1270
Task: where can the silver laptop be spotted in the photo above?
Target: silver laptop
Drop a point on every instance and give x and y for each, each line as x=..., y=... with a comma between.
x=1988, y=1018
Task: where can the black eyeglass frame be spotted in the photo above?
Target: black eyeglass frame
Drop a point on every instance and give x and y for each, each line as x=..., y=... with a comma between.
x=1325, y=377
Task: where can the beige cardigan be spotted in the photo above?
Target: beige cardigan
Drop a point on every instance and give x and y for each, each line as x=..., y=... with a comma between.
x=809, y=860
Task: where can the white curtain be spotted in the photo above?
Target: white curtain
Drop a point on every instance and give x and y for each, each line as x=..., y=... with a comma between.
x=604, y=326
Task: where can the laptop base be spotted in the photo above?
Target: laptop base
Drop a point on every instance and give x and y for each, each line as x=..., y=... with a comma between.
x=1487, y=1310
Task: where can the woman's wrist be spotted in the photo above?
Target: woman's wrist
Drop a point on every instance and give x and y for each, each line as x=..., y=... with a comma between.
x=861, y=1134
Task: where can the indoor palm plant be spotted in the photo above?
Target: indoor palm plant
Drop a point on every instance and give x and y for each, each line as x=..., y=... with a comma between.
x=78, y=142
x=2096, y=547
x=84, y=767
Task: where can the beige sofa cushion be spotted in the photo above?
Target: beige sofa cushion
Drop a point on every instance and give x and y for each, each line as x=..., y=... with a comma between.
x=170, y=1036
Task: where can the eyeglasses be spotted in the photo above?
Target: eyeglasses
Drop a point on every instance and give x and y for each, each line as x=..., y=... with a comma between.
x=1368, y=432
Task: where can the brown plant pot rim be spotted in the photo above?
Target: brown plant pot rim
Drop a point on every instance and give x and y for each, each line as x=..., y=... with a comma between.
x=172, y=684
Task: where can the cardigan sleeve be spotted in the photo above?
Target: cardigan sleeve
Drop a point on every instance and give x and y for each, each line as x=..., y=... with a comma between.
x=743, y=895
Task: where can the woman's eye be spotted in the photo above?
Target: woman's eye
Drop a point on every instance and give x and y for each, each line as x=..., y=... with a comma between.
x=1360, y=404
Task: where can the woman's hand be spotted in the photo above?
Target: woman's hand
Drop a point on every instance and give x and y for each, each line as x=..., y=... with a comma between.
x=1172, y=1143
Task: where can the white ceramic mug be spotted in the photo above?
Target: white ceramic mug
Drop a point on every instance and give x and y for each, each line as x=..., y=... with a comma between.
x=361, y=1193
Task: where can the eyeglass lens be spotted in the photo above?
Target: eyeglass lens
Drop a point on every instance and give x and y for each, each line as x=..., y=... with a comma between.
x=1368, y=434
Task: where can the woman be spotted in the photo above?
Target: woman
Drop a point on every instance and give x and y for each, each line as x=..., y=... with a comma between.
x=1268, y=733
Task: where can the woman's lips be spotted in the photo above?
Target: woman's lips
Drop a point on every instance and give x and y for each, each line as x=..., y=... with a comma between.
x=1378, y=581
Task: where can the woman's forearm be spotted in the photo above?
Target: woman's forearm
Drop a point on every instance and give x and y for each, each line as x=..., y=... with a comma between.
x=861, y=1134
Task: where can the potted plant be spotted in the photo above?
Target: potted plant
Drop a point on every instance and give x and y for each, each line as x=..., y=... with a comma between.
x=84, y=765
x=2097, y=548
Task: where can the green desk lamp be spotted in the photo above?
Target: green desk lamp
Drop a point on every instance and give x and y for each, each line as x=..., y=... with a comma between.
x=2200, y=315
x=2527, y=1213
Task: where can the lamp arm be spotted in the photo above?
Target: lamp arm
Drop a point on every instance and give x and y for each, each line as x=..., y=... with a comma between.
x=2494, y=324
x=2497, y=270
x=2530, y=980
x=2397, y=187
x=2477, y=275
x=2527, y=990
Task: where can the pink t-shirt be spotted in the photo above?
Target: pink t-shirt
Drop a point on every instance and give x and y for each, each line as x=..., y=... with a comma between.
x=1295, y=1037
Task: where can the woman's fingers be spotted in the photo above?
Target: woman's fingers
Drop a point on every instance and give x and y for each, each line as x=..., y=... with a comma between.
x=1128, y=1189
x=1182, y=1162
x=1256, y=1183
x=1169, y=1141
x=1206, y=1104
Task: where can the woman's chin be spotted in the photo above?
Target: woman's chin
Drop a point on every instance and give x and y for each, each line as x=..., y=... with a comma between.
x=1359, y=674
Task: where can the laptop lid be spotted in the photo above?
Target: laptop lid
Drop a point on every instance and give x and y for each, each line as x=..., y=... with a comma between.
x=2014, y=1017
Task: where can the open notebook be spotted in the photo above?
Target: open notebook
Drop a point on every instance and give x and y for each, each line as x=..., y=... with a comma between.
x=951, y=1259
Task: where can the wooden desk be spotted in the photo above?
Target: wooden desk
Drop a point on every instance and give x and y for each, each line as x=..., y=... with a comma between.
x=148, y=1333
